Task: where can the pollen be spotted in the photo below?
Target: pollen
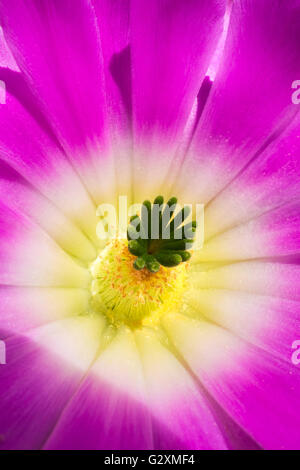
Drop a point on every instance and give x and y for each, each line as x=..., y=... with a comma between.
x=134, y=297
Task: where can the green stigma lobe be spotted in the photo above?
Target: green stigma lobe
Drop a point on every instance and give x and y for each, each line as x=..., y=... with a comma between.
x=158, y=237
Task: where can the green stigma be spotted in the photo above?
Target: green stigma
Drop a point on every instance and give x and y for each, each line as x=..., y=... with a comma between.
x=158, y=236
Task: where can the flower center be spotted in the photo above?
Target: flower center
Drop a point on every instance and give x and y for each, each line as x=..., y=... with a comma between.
x=132, y=296
x=136, y=281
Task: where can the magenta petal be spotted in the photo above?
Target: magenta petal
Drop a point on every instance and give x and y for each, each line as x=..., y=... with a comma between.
x=57, y=47
x=274, y=234
x=165, y=85
x=257, y=277
x=184, y=416
x=251, y=97
x=27, y=401
x=113, y=19
x=18, y=194
x=28, y=149
x=108, y=409
x=114, y=25
x=101, y=417
x=29, y=257
x=258, y=390
x=24, y=308
x=267, y=322
x=6, y=57
x=127, y=402
x=269, y=181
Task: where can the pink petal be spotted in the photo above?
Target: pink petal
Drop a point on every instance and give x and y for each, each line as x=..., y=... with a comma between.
x=269, y=181
x=114, y=25
x=185, y=418
x=29, y=257
x=24, y=308
x=172, y=44
x=267, y=322
x=129, y=404
x=258, y=277
x=251, y=98
x=42, y=372
x=27, y=148
x=259, y=391
x=19, y=195
x=108, y=410
x=57, y=47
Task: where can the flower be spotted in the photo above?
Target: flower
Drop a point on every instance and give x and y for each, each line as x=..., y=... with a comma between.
x=103, y=100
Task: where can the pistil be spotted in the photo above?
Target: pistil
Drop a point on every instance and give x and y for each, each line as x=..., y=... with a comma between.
x=158, y=237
